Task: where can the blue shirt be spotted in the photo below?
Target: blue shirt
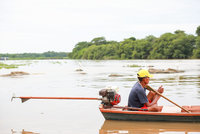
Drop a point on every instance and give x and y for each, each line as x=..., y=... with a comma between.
x=137, y=96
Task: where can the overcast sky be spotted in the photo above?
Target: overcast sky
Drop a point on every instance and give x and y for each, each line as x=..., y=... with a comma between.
x=58, y=25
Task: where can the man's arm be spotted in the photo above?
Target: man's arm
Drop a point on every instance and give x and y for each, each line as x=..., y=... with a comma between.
x=155, y=98
x=153, y=103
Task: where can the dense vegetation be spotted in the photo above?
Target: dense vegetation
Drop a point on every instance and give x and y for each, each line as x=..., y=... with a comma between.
x=45, y=55
x=177, y=45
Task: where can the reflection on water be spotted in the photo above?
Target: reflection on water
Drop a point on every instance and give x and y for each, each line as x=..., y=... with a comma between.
x=22, y=132
x=126, y=127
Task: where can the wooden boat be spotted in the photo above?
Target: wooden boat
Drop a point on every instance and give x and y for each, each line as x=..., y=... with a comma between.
x=127, y=115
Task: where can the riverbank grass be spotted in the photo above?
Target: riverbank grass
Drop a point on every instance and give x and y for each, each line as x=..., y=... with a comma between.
x=6, y=66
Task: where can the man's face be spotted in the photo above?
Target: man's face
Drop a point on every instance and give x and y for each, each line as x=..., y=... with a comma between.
x=146, y=80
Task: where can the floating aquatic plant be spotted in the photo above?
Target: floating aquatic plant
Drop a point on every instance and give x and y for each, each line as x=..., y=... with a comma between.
x=7, y=66
x=134, y=65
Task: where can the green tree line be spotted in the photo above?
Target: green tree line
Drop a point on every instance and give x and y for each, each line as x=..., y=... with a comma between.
x=45, y=55
x=177, y=45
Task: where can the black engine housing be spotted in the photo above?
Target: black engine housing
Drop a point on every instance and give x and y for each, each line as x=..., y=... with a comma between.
x=109, y=97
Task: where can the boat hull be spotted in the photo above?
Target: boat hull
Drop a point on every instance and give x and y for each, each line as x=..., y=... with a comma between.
x=113, y=114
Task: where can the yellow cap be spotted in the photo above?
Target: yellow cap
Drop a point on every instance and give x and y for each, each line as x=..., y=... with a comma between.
x=144, y=73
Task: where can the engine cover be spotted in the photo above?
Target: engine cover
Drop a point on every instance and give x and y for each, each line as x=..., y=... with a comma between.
x=109, y=97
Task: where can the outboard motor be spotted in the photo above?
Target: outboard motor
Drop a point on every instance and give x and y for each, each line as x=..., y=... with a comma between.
x=109, y=97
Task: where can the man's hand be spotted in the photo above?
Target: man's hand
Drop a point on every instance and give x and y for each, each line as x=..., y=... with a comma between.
x=161, y=89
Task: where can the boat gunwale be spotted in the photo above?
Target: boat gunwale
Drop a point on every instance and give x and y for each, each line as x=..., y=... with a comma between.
x=103, y=110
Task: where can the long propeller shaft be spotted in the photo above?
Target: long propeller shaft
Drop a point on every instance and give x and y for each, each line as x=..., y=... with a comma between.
x=25, y=98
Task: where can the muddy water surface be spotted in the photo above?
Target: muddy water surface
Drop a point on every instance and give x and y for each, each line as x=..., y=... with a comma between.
x=61, y=78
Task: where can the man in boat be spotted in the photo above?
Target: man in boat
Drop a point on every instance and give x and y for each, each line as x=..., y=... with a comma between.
x=139, y=99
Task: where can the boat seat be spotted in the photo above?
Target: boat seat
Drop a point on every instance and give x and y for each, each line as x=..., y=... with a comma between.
x=192, y=108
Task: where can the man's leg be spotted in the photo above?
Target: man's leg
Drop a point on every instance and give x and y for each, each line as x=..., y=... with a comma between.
x=155, y=108
x=153, y=98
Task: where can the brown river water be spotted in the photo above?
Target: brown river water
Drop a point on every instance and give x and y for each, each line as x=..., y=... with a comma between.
x=60, y=78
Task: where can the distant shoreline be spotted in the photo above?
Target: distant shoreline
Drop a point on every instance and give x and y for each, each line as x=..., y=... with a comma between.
x=35, y=56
